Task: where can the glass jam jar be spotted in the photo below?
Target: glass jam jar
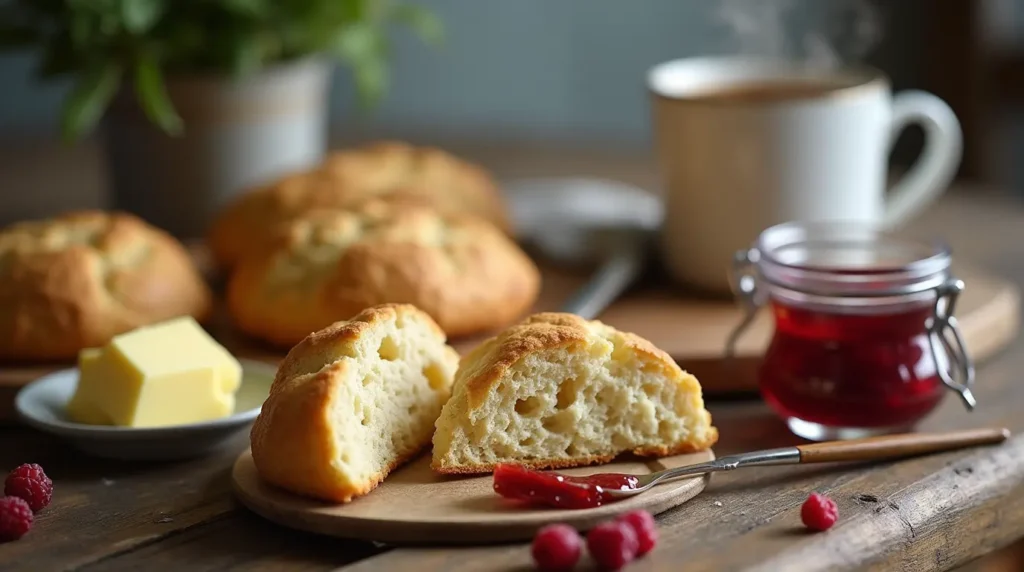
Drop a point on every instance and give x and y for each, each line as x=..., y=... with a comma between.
x=865, y=340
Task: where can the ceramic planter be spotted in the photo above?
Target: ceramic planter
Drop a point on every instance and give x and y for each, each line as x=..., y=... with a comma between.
x=238, y=133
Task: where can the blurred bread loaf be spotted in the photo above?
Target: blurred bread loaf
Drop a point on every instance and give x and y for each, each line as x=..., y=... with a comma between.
x=352, y=402
x=326, y=265
x=77, y=280
x=560, y=391
x=384, y=170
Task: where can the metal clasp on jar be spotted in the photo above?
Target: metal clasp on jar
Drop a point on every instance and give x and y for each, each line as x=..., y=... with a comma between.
x=743, y=281
x=959, y=375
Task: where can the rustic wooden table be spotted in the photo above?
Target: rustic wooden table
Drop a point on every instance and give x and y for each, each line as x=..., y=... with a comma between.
x=935, y=512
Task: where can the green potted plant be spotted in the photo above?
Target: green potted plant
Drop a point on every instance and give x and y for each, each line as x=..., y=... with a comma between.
x=198, y=99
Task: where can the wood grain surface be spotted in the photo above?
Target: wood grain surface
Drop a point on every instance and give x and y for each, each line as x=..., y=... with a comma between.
x=414, y=505
x=934, y=512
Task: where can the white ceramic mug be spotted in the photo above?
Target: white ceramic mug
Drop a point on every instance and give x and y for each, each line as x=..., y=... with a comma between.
x=747, y=143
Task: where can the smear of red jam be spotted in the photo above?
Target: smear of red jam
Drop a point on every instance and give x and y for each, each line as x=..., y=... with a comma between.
x=558, y=490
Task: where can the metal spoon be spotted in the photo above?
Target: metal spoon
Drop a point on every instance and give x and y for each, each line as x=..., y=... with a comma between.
x=872, y=448
x=588, y=221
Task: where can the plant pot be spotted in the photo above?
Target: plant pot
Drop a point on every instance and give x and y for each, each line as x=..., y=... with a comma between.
x=238, y=133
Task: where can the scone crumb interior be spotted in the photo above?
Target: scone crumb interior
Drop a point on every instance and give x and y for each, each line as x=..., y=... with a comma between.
x=352, y=402
x=559, y=391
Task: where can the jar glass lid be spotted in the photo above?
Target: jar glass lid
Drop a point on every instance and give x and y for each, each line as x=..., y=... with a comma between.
x=848, y=258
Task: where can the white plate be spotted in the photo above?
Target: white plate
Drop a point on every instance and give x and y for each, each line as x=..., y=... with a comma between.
x=41, y=404
x=538, y=202
x=579, y=219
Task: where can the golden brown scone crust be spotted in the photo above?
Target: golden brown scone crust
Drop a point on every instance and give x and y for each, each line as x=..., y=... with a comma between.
x=489, y=361
x=291, y=438
x=79, y=279
x=384, y=170
x=324, y=266
x=486, y=364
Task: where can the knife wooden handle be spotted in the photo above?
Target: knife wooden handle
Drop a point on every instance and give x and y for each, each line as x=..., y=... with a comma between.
x=903, y=445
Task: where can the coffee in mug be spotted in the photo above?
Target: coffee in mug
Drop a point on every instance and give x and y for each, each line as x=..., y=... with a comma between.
x=767, y=91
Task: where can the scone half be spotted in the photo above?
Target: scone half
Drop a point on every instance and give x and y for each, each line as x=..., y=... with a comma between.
x=352, y=402
x=559, y=391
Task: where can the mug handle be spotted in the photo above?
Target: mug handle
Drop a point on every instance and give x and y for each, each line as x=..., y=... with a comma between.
x=928, y=178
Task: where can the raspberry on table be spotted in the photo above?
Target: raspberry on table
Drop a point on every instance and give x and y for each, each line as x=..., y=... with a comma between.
x=30, y=483
x=556, y=547
x=613, y=544
x=645, y=527
x=819, y=512
x=15, y=518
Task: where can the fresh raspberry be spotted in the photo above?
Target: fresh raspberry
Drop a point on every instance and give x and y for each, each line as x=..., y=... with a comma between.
x=645, y=527
x=819, y=512
x=556, y=547
x=613, y=544
x=15, y=518
x=30, y=483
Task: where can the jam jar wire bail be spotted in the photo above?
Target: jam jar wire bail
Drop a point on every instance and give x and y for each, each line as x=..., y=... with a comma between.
x=743, y=282
x=943, y=320
x=763, y=269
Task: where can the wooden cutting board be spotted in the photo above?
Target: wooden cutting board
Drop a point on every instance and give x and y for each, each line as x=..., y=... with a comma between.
x=691, y=329
x=415, y=505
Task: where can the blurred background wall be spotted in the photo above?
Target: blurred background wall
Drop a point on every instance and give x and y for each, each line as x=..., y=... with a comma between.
x=570, y=70
x=571, y=73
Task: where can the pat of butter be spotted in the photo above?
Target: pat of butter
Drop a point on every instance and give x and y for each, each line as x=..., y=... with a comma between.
x=164, y=374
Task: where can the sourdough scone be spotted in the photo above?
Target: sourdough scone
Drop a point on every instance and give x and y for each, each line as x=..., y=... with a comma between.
x=327, y=265
x=385, y=170
x=352, y=402
x=77, y=280
x=560, y=391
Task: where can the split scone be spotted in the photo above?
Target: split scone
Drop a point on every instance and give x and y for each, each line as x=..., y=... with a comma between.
x=559, y=391
x=327, y=265
x=385, y=170
x=352, y=402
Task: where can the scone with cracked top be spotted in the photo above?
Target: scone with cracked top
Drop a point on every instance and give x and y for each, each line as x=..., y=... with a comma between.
x=467, y=275
x=352, y=402
x=559, y=391
x=77, y=280
x=385, y=170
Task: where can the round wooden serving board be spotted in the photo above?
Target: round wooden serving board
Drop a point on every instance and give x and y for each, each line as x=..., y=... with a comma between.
x=693, y=329
x=414, y=505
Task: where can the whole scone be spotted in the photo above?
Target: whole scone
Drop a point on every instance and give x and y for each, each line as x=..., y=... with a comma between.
x=467, y=275
x=560, y=391
x=77, y=280
x=385, y=170
x=352, y=402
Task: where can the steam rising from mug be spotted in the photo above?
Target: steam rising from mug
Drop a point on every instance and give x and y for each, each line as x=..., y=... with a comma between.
x=820, y=34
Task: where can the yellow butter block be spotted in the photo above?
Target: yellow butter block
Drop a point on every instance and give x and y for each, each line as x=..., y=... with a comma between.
x=164, y=374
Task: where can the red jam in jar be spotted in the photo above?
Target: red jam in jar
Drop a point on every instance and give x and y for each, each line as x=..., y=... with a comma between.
x=865, y=342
